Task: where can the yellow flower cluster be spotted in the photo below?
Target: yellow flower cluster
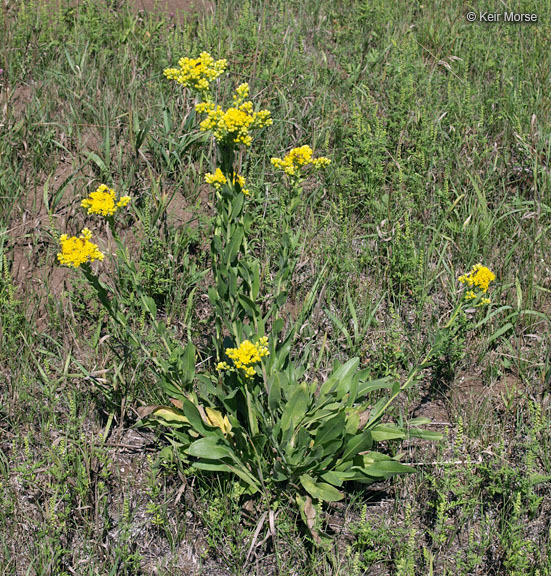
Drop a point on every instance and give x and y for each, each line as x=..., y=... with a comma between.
x=297, y=159
x=102, y=201
x=76, y=251
x=238, y=179
x=234, y=124
x=245, y=356
x=479, y=277
x=217, y=179
x=197, y=73
x=241, y=94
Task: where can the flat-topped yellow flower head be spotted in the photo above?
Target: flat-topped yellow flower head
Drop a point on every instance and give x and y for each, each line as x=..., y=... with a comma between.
x=241, y=181
x=478, y=280
x=197, y=73
x=103, y=201
x=77, y=251
x=246, y=356
x=299, y=158
x=241, y=94
x=479, y=277
x=217, y=179
x=233, y=126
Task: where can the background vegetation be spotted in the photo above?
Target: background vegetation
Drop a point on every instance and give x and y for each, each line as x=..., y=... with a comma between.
x=440, y=141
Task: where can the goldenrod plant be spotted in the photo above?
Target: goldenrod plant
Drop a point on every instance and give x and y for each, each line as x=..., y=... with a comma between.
x=438, y=137
x=255, y=412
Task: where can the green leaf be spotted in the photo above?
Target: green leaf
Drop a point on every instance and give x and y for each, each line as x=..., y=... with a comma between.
x=189, y=363
x=386, y=468
x=213, y=295
x=232, y=281
x=295, y=409
x=274, y=390
x=233, y=248
x=332, y=449
x=150, y=305
x=331, y=429
x=192, y=414
x=245, y=476
x=366, y=387
x=281, y=354
x=295, y=202
x=98, y=162
x=248, y=220
x=237, y=205
x=320, y=490
x=102, y=290
x=381, y=432
x=210, y=449
x=340, y=326
x=140, y=137
x=376, y=412
x=357, y=444
x=170, y=387
x=278, y=473
x=354, y=474
x=255, y=284
x=424, y=434
x=211, y=466
x=353, y=389
x=253, y=421
x=295, y=457
x=301, y=439
x=419, y=421
x=499, y=333
x=340, y=378
x=216, y=244
x=352, y=422
x=277, y=327
x=249, y=306
x=487, y=318
x=332, y=478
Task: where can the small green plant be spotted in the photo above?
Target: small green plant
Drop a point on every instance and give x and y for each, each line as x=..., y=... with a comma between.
x=406, y=561
x=367, y=545
x=519, y=550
